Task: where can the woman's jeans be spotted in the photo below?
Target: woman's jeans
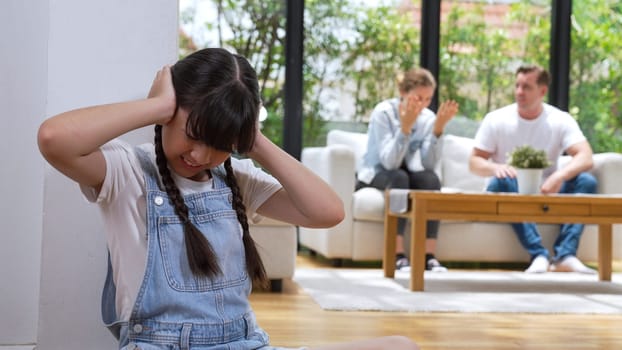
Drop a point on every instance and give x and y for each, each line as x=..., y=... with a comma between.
x=567, y=241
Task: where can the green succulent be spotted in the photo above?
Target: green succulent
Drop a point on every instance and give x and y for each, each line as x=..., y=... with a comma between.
x=527, y=157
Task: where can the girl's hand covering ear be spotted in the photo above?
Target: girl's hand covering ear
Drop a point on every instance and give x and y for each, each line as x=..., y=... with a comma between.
x=163, y=91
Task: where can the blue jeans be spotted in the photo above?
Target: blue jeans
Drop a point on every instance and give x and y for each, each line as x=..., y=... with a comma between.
x=567, y=241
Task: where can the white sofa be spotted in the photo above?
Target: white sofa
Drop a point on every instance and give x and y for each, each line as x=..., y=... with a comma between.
x=277, y=244
x=360, y=236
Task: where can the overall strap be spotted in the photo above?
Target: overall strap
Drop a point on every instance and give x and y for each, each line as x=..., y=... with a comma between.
x=219, y=176
x=151, y=174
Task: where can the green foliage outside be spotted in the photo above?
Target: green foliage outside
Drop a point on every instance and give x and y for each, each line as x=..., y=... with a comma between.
x=596, y=72
x=255, y=30
x=359, y=50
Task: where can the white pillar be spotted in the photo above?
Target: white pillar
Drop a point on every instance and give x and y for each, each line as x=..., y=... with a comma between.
x=61, y=55
x=23, y=67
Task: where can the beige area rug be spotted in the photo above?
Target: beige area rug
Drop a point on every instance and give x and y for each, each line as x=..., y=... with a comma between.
x=462, y=291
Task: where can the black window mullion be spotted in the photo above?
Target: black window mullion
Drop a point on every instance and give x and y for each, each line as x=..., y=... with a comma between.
x=292, y=119
x=430, y=38
x=559, y=60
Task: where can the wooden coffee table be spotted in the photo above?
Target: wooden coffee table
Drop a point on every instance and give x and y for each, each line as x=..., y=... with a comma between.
x=498, y=207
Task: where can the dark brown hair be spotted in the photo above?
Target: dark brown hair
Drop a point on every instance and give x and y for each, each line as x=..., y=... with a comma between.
x=221, y=93
x=543, y=76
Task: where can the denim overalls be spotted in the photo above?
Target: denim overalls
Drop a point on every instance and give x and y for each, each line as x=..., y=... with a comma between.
x=174, y=309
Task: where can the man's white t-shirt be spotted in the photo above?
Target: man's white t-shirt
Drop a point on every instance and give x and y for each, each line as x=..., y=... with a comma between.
x=503, y=129
x=123, y=207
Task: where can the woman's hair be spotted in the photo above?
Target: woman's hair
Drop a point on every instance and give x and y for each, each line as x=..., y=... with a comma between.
x=221, y=93
x=414, y=78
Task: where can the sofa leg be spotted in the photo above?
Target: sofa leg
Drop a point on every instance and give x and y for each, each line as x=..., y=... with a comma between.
x=337, y=262
x=276, y=285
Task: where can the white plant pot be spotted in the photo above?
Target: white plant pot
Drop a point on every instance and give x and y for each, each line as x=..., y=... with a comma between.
x=529, y=180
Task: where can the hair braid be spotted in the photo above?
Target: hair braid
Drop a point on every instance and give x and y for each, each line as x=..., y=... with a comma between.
x=254, y=265
x=201, y=256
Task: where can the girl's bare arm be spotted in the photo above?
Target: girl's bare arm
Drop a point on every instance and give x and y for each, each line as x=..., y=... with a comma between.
x=70, y=141
x=305, y=199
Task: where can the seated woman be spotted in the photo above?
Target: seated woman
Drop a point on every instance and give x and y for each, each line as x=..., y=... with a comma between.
x=399, y=129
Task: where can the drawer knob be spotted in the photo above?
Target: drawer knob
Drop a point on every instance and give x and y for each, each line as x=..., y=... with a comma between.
x=545, y=208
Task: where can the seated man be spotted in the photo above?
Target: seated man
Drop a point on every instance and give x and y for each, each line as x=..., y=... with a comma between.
x=399, y=129
x=530, y=121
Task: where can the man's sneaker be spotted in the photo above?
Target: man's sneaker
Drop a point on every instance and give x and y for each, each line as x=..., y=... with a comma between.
x=539, y=265
x=571, y=264
x=402, y=264
x=435, y=266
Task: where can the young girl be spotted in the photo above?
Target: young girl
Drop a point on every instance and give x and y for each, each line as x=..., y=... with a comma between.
x=182, y=261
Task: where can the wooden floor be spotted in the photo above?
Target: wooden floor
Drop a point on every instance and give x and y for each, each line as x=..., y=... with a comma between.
x=293, y=319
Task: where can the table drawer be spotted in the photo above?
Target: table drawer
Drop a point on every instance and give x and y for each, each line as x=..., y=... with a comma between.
x=440, y=206
x=543, y=209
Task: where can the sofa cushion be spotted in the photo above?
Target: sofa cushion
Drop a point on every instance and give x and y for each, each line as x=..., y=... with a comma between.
x=368, y=204
x=357, y=141
x=455, y=165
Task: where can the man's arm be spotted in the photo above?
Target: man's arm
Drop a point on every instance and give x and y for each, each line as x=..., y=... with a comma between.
x=581, y=161
x=479, y=164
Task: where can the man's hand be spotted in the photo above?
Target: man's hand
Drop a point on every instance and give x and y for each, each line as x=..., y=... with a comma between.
x=553, y=183
x=504, y=170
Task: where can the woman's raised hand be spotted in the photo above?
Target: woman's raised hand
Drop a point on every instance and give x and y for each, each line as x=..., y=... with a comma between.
x=446, y=112
x=409, y=109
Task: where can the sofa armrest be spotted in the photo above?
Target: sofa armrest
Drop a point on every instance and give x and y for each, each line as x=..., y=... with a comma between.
x=335, y=164
x=607, y=170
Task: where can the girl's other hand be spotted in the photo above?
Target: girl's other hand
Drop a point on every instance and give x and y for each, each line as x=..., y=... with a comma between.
x=260, y=141
x=163, y=91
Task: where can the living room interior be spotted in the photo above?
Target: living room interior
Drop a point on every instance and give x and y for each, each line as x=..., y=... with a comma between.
x=64, y=55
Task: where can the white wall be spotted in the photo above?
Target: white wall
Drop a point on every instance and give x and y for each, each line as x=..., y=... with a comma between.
x=58, y=55
x=22, y=104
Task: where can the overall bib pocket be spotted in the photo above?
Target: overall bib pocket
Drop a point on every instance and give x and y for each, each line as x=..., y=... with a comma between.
x=223, y=231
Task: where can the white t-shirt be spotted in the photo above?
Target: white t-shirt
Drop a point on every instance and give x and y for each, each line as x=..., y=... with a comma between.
x=123, y=207
x=503, y=129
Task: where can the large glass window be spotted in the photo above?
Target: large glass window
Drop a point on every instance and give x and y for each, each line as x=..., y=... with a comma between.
x=254, y=29
x=353, y=51
x=481, y=45
x=596, y=72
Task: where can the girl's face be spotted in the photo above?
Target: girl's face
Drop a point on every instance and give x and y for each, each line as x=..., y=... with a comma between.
x=187, y=157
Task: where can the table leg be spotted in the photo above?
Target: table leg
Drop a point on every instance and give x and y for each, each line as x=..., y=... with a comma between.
x=605, y=252
x=390, y=233
x=418, y=227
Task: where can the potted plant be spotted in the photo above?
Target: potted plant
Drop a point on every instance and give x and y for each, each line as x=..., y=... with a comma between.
x=529, y=163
